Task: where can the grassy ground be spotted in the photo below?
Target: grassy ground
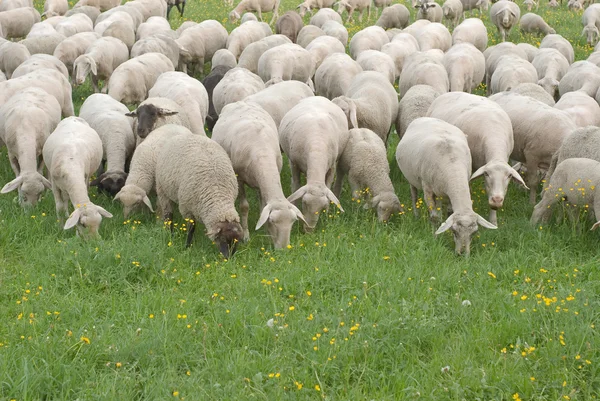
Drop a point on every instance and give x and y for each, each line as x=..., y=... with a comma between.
x=356, y=310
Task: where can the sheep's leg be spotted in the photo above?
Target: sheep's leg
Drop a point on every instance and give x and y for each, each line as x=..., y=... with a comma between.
x=259, y=12
x=244, y=208
x=95, y=83
x=413, y=196
x=430, y=203
x=329, y=177
x=531, y=178
x=350, y=11
x=105, y=86
x=295, y=177
x=182, y=8
x=41, y=165
x=339, y=182
x=493, y=217
x=190, y=234
x=61, y=198
x=14, y=163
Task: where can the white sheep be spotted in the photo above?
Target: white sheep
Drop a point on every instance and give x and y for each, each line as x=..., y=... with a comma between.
x=39, y=62
x=510, y=72
x=209, y=83
x=237, y=84
x=43, y=44
x=17, y=23
x=583, y=142
x=43, y=28
x=122, y=31
x=434, y=36
x=373, y=60
x=532, y=23
x=551, y=67
x=490, y=137
x=26, y=121
x=493, y=56
x=289, y=24
x=75, y=24
x=434, y=155
x=334, y=75
x=101, y=59
x=424, y=68
x=131, y=81
x=103, y=23
x=591, y=21
x=11, y=56
x=581, y=76
x=394, y=16
x=383, y=4
x=575, y=5
x=370, y=38
x=530, y=4
x=199, y=43
x=429, y=10
x=414, y=104
x=336, y=30
x=559, y=43
x=370, y=102
x=90, y=11
x=313, y=134
x=136, y=16
x=148, y=8
x=152, y=26
x=285, y=62
x=453, y=11
x=102, y=5
x=72, y=154
x=107, y=117
x=465, y=65
x=7, y=5
x=258, y=6
x=184, y=26
x=246, y=16
x=196, y=173
x=309, y=5
x=481, y=5
x=74, y=46
x=582, y=108
x=354, y=5
x=323, y=47
x=530, y=50
x=243, y=35
x=307, y=34
x=158, y=43
x=249, y=136
x=223, y=57
x=534, y=91
x=55, y=7
x=416, y=27
x=364, y=160
x=473, y=31
x=399, y=48
x=323, y=15
x=505, y=14
x=251, y=54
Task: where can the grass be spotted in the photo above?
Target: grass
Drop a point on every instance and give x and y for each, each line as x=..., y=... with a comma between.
x=356, y=310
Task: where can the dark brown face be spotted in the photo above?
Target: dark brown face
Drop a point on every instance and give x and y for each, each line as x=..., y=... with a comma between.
x=147, y=115
x=110, y=182
x=230, y=233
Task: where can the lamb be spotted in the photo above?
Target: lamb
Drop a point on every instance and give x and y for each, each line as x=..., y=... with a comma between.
x=551, y=67
x=354, y=5
x=581, y=76
x=559, y=43
x=530, y=50
x=534, y=91
x=122, y=31
x=473, y=31
x=510, y=72
x=237, y=84
x=583, y=142
x=453, y=11
x=17, y=23
x=530, y=4
x=333, y=77
x=107, y=117
x=490, y=137
x=74, y=46
x=591, y=20
x=39, y=62
x=285, y=62
x=26, y=121
x=395, y=16
x=255, y=5
x=336, y=30
x=209, y=83
x=370, y=38
x=310, y=5
x=156, y=112
x=245, y=34
x=505, y=14
x=7, y=5
x=196, y=173
x=307, y=34
x=75, y=24
x=279, y=98
x=402, y=46
x=158, y=43
x=43, y=44
x=153, y=26
x=131, y=81
x=370, y=102
x=424, y=68
x=364, y=160
x=90, y=11
x=72, y=154
x=251, y=54
x=200, y=42
x=324, y=46
x=102, y=5
x=249, y=136
x=465, y=65
x=373, y=60
x=313, y=135
x=538, y=132
x=429, y=10
x=532, y=23
x=324, y=15
x=434, y=155
x=11, y=56
x=434, y=36
x=223, y=57
x=55, y=7
x=102, y=58
x=289, y=24
x=582, y=108
x=413, y=105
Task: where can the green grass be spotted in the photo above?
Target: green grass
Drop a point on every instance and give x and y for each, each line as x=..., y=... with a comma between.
x=360, y=310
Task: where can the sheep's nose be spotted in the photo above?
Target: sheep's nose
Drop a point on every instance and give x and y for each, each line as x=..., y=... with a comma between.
x=496, y=202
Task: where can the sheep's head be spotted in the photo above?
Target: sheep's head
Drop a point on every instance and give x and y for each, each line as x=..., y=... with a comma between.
x=82, y=66
x=550, y=85
x=508, y=18
x=591, y=31
x=147, y=115
x=30, y=185
x=234, y=16
x=228, y=234
x=424, y=6
x=303, y=9
x=497, y=175
x=553, y=3
x=131, y=196
x=315, y=199
x=87, y=218
x=110, y=182
x=280, y=215
x=349, y=108
x=386, y=203
x=463, y=226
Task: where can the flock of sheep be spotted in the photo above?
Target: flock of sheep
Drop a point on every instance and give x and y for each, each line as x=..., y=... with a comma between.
x=295, y=91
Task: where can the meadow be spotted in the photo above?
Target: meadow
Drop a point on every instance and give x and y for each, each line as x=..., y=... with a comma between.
x=357, y=310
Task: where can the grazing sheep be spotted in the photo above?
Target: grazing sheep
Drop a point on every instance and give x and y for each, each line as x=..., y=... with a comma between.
x=534, y=91
x=530, y=4
x=538, y=132
x=429, y=10
x=424, y=68
x=156, y=112
x=131, y=81
x=465, y=65
x=434, y=36
x=289, y=24
x=505, y=14
x=394, y=16
x=307, y=34
x=90, y=11
x=591, y=32
x=323, y=47
x=72, y=154
x=370, y=38
x=186, y=25
x=43, y=44
x=7, y=5
x=415, y=28
x=383, y=4
x=55, y=7
x=481, y=5
x=324, y=15
x=583, y=142
x=530, y=50
x=334, y=75
x=11, y=56
x=74, y=46
x=158, y=43
x=494, y=56
x=210, y=82
x=490, y=137
x=354, y=5
x=243, y=35
x=251, y=54
x=575, y=5
x=370, y=102
x=148, y=8
x=75, y=24
x=582, y=108
x=434, y=155
x=532, y=23
x=373, y=60
x=39, y=62
x=101, y=58
x=196, y=173
x=223, y=57
x=103, y=23
x=591, y=21
x=473, y=31
x=285, y=62
x=258, y=6
x=559, y=43
x=43, y=28
x=413, y=105
x=237, y=84
x=200, y=42
x=136, y=16
x=313, y=135
x=581, y=76
x=249, y=136
x=402, y=46
x=551, y=67
x=26, y=121
x=152, y=26
x=453, y=11
x=310, y=5
x=510, y=72
x=246, y=16
x=364, y=160
x=336, y=30
x=17, y=23
x=122, y=31
x=102, y=5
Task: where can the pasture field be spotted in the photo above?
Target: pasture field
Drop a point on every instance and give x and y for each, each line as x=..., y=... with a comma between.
x=357, y=310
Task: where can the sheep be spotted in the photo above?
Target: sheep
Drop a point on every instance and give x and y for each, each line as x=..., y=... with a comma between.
x=415, y=28
x=55, y=7
x=148, y=8
x=538, y=132
x=534, y=91
x=246, y=16
x=103, y=23
x=313, y=134
x=180, y=4
x=43, y=44
x=200, y=42
x=307, y=34
x=434, y=36
x=383, y=4
x=136, y=16
x=323, y=47
x=11, y=56
x=530, y=50
x=131, y=81
x=249, y=136
x=156, y=112
x=510, y=72
x=581, y=76
x=552, y=4
x=102, y=5
x=532, y=23
x=591, y=21
x=336, y=30
x=90, y=11
x=309, y=5
x=505, y=14
x=196, y=173
x=473, y=31
x=255, y=5
x=324, y=15
x=39, y=62
x=370, y=102
x=334, y=75
x=354, y=5
x=245, y=34
x=429, y=10
x=223, y=57
x=395, y=16
x=26, y=121
x=591, y=32
x=434, y=155
x=102, y=58
x=209, y=83
x=559, y=43
x=453, y=11
x=370, y=38
x=575, y=5
x=122, y=31
x=425, y=68
x=480, y=5
x=153, y=26
x=465, y=65
x=289, y=24
x=75, y=24
x=74, y=46
x=402, y=46
x=582, y=108
x=373, y=60
x=551, y=67
x=42, y=29
x=414, y=104
x=158, y=43
x=364, y=160
x=186, y=25
x=7, y=5
x=237, y=84
x=251, y=54
x=494, y=56
x=530, y=4
x=72, y=154
x=279, y=98
x=285, y=62
x=17, y=23
x=583, y=142
x=490, y=137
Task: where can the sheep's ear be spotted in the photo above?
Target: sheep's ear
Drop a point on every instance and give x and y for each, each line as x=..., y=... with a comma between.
x=93, y=67
x=297, y=195
x=299, y=214
x=484, y=223
x=264, y=216
x=517, y=177
x=333, y=199
x=518, y=166
x=595, y=226
x=46, y=182
x=104, y=212
x=73, y=219
x=478, y=173
x=95, y=182
x=11, y=186
x=117, y=196
x=445, y=225
x=166, y=112
x=146, y=201
x=132, y=114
